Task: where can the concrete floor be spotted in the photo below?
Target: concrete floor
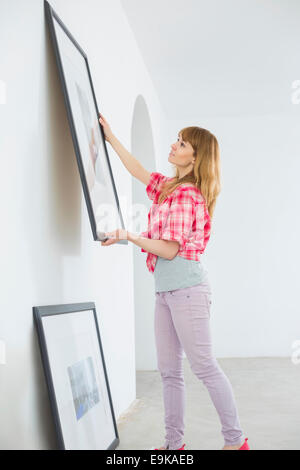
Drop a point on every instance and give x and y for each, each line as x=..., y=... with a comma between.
x=267, y=391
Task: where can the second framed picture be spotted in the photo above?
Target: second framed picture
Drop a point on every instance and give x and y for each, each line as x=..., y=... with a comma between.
x=76, y=376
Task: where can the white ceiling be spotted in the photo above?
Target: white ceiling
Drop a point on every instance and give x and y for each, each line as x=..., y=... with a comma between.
x=219, y=57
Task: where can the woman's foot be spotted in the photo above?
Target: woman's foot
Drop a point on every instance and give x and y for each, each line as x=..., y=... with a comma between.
x=232, y=447
x=242, y=446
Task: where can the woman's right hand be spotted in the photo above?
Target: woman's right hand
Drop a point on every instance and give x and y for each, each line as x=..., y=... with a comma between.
x=106, y=128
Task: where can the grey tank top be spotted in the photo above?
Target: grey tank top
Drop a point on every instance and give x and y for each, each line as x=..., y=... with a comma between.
x=178, y=273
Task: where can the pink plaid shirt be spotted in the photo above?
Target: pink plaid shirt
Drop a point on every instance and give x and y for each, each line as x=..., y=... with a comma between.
x=182, y=217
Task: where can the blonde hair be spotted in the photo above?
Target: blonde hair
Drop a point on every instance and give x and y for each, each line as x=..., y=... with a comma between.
x=205, y=174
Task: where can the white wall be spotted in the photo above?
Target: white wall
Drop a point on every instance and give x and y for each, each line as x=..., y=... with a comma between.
x=253, y=254
x=48, y=255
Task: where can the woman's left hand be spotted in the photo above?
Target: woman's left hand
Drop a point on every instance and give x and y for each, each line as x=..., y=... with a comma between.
x=116, y=235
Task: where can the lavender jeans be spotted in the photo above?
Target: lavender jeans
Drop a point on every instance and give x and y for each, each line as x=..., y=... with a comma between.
x=182, y=323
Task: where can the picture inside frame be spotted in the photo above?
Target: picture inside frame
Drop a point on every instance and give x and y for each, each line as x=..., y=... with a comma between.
x=76, y=376
x=87, y=135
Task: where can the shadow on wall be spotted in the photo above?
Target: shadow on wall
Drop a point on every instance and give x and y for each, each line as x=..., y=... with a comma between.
x=142, y=147
x=52, y=190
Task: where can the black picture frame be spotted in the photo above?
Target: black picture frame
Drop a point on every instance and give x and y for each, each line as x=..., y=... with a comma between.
x=86, y=102
x=70, y=347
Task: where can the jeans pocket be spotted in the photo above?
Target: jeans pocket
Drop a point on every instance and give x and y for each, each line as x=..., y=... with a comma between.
x=183, y=293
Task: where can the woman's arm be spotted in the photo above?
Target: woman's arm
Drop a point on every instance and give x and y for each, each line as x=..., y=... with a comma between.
x=131, y=164
x=163, y=248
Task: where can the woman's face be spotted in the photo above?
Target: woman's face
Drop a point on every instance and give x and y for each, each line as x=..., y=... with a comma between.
x=181, y=155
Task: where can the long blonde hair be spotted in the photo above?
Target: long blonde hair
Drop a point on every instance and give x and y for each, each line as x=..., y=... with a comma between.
x=205, y=174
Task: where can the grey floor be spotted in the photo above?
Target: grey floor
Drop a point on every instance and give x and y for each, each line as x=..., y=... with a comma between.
x=267, y=392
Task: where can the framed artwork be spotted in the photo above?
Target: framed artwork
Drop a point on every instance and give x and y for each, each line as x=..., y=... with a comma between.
x=87, y=134
x=76, y=377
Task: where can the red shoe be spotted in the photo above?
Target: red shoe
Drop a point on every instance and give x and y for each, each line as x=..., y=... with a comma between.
x=245, y=446
x=180, y=448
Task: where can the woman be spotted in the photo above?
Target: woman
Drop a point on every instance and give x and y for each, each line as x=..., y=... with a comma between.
x=179, y=225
